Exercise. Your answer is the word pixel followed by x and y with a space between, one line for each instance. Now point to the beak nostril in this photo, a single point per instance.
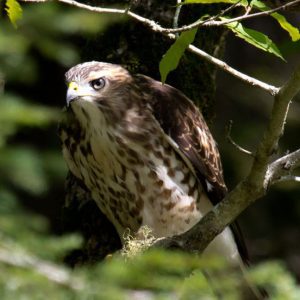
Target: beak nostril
pixel 72 92
pixel 73 86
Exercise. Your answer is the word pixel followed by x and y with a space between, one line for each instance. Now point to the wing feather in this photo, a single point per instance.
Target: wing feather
pixel 182 121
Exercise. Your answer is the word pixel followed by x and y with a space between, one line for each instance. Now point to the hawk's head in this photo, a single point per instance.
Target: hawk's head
pixel 97 84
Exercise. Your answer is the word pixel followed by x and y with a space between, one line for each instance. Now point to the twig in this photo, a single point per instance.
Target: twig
pixel 248 10
pixel 198 23
pixel 176 16
pixel 288 178
pixel 130 4
pixel 254 15
pixel 231 141
pixel 177 13
pixel 155 27
pixel 223 12
pixel 225 67
pixel 212 22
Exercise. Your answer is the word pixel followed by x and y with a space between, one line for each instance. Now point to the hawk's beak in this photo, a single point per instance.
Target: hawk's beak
pixel 73 92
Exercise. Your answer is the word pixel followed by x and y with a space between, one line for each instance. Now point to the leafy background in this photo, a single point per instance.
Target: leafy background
pixel 33 59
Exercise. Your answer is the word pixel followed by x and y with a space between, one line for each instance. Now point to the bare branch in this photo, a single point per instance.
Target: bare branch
pixel 212 22
pixel 177 13
pixel 225 67
pixel 231 141
pixel 254 15
pixel 201 22
pixel 288 178
pixel 222 13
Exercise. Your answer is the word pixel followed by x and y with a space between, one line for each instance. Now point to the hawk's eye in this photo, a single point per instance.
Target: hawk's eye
pixel 97 84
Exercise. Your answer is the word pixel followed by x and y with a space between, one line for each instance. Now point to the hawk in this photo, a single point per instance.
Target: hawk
pixel 144 152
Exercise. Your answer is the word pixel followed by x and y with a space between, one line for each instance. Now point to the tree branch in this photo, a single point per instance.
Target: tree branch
pixel 176 15
pixel 155 27
pixel 225 67
pixel 288 178
pixel 231 141
pixel 210 23
pixel 253 187
pixel 282 167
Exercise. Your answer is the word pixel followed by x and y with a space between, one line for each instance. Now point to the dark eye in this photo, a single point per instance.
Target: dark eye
pixel 97 84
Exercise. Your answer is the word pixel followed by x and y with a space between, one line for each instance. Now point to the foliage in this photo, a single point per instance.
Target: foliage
pixel 172 57
pixel 256 38
pixel 293 31
pixel 14 11
pixel 36 269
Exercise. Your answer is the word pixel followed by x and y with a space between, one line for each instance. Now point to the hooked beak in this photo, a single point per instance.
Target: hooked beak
pixel 73 92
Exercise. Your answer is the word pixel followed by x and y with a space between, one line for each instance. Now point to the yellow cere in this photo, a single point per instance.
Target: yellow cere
pixel 73 85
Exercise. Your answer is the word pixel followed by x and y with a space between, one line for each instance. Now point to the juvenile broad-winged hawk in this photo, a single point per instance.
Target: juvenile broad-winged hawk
pixel 144 152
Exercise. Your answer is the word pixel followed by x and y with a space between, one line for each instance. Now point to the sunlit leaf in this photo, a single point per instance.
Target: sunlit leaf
pixel 255 38
pixel 14 11
pixel 242 2
pixel 172 57
pixel 293 31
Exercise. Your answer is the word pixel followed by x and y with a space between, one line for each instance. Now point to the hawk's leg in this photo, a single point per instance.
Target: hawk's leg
pixel 81 213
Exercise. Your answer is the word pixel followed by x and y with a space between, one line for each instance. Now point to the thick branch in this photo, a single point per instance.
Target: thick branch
pixel 274 131
pixel 249 190
pixel 156 27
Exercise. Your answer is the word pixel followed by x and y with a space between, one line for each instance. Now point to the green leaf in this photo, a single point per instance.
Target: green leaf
pixel 14 11
pixel 255 38
pixel 293 31
pixel 172 57
pixel 243 2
